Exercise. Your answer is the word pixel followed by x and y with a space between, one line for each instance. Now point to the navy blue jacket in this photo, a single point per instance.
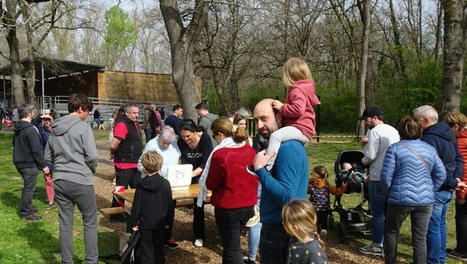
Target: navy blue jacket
pixel 407 179
pixel 441 137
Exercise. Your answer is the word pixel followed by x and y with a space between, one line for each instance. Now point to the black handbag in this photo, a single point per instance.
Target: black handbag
pixel 128 255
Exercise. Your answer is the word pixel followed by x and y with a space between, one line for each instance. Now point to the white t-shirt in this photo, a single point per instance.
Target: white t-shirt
pixel 379 139
pixel 170 155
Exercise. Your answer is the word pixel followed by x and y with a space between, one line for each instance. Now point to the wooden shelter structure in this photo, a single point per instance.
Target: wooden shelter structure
pixel 62 77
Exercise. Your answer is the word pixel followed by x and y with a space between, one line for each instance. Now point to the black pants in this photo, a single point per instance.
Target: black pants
pixel 170 223
pixel 395 216
pixel 230 223
pixel 322 219
pixel 152 246
pixel 29 186
pixel 461 228
pixel 125 178
pixel 198 220
pixel 273 244
pixel 198 216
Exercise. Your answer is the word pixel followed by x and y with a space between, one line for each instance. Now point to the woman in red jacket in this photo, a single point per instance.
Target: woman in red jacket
pixel 458 122
pixel 233 188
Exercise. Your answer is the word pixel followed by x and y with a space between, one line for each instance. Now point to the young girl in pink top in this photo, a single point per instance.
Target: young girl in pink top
pixel 298 116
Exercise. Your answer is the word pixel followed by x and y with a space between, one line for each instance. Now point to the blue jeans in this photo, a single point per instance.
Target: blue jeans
pixel 436 237
pixel 378 209
pixel 148 134
pixel 253 240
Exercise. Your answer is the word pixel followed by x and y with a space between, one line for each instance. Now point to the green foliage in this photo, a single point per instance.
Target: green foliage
pixel 121 33
pixel 338 112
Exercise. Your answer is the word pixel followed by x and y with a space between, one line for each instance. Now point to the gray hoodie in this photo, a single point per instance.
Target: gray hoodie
pixel 72 150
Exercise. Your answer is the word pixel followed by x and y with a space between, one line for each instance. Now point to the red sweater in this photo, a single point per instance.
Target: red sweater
pixel 231 185
pixel 297 110
pixel 462 142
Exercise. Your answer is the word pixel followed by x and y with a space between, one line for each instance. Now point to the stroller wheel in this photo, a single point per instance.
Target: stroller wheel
pixel 342 233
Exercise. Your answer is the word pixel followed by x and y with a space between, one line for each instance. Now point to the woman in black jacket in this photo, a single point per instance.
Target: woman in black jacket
pixel 195 146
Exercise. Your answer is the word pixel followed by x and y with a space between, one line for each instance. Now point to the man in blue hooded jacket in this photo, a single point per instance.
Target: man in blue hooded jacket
pixel 439 135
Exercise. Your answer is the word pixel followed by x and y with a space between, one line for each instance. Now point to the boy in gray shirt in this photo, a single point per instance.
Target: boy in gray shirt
pixel 71 149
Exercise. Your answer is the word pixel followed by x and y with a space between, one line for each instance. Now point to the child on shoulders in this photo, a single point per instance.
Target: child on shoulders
pixel 297 114
pixel 299 221
pixel 152 208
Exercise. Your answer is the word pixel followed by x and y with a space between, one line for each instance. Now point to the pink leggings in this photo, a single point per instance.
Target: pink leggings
pixel 49 187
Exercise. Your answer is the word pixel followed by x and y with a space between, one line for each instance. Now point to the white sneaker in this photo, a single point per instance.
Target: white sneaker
pixel 372 250
pixel 323 234
pixel 198 242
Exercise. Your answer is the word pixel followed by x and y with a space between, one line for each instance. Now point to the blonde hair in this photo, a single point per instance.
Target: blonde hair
pixel 151 161
pixel 456 118
pixel 299 220
pixel 224 126
pixel 295 69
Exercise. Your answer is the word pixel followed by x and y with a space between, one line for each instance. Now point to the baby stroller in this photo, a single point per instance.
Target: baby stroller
pixel 356 219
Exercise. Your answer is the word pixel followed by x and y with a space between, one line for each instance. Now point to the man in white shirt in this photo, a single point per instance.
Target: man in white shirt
pixel 380 137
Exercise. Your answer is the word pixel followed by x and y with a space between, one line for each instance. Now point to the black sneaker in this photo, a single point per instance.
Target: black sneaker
pixel 251 170
pixel 452 253
pixel 31 217
pixel 171 244
pixel 50 206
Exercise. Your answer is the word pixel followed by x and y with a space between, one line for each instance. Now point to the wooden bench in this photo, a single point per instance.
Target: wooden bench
pixel 112 211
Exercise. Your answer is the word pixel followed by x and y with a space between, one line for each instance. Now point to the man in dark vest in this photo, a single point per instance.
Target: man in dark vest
pixel 125 149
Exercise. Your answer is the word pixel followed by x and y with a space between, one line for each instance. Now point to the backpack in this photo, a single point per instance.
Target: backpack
pixel 153 121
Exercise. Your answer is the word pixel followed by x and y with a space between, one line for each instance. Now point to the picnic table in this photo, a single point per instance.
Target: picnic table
pixel 182 197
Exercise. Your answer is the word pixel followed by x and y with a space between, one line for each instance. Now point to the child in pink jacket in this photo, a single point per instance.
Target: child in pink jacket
pixel 298 116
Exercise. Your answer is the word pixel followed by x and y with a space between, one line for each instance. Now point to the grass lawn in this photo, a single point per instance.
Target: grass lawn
pixel 35 241
pixel 38 242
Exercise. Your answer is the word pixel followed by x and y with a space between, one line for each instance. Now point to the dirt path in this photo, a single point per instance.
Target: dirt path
pixel 182 231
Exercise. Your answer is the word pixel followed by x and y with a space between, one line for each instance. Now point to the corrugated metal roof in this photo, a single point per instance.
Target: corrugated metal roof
pixel 54 67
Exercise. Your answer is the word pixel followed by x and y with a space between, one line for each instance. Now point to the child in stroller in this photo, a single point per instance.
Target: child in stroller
pixel 350 171
pixel 319 189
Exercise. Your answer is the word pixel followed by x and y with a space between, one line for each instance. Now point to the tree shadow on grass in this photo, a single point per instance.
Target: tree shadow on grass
pixel 11 199
pixel 37 237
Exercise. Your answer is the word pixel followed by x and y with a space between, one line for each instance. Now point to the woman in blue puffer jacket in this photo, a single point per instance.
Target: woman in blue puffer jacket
pixel 411 173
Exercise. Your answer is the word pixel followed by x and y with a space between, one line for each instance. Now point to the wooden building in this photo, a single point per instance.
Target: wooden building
pixel 62 78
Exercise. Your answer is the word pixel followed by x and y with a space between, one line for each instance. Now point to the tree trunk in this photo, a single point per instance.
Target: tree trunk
pixel 366 16
pixel 397 42
pixel 453 55
pixel 9 22
pixel 30 75
pixel 438 31
pixel 182 40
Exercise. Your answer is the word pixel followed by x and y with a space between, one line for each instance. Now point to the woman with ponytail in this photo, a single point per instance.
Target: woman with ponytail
pixel 233 188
